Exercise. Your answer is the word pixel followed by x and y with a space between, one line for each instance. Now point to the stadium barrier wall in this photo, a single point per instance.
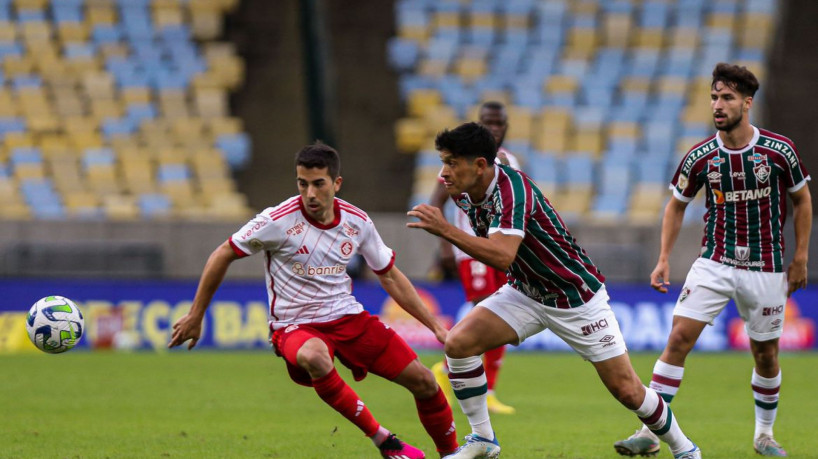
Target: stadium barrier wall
pixel 129 314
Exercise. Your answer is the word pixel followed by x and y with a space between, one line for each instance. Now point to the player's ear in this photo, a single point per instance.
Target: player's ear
pixel 748 101
pixel 338 181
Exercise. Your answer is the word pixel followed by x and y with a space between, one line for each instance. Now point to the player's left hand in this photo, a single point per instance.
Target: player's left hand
pixel 796 277
pixel 188 327
pixel 431 219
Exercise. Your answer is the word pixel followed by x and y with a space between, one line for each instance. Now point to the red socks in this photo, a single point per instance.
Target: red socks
pixel 436 416
pixel 337 394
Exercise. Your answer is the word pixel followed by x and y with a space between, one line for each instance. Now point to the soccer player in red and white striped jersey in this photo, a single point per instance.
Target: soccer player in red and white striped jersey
pixel 746 174
pixel 308 241
pixel 551 284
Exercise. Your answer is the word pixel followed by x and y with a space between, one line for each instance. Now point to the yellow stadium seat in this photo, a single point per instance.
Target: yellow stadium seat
pixel 26 171
pixel 410 134
pixel 672 85
pixel 135 95
pixel 210 103
pixel 100 14
pixel 725 21
pixel 636 84
pixel 470 69
pixel 617 30
pixel 8 105
pixel 77 124
pixel 30 4
pixel 105 108
pixel 8 31
pixel 120 207
pixel 585 7
pixel 36 31
pixel 14 211
pixel 43 122
pixel 170 155
pixel 646 202
pixel 17 65
pixel 685 38
pixel 103 179
pixel 587 140
pixel 415 32
pixel 649 38
pixel 432 68
pixel 217 126
pixel 561 84
pixel 139 176
pixel 573 202
pixel 756 31
pixel 19 140
pixel 72 32
pixel 168 15
pixel 624 129
pixel 69 106
pixel 99 85
pixel 81 202
pixel 520 120
pixel 82 141
pixel 419 101
pixel 482 19
pixel 442 117
pixel 205 24
pixel 582 38
pixel 230 207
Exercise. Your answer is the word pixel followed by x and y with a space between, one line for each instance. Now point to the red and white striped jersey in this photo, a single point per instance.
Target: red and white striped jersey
pixel 305 261
pixel 461 220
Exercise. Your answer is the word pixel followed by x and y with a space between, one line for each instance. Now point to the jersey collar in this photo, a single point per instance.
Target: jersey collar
pixel 750 145
pixel 336 209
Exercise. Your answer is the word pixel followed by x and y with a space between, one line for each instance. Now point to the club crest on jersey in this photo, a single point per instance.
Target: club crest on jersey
pixel 256 244
pixel 762 172
pixel 742 253
pixel 714 177
pixel 346 249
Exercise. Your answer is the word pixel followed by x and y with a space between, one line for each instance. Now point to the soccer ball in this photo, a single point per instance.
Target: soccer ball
pixel 55 324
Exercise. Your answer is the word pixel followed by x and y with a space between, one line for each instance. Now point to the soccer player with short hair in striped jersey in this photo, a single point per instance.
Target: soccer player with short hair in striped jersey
pixel 746 174
pixel 552 284
pixel 308 241
pixel 478 279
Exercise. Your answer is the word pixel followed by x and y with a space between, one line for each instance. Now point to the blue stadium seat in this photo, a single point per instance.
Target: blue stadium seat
pixel 79 50
pixel 106 33
pixel 113 127
pixel 98 157
pixel 31 15
pixel 26 81
pixel 41 197
pixel 578 169
pixel 154 205
pixel 140 112
pixel 236 149
pixel 67 12
pixel 403 54
pixel 25 155
pixel 172 172
pixel 10 48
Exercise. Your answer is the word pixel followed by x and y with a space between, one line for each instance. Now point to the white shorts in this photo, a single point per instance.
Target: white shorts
pixel 760 297
pixel 591 329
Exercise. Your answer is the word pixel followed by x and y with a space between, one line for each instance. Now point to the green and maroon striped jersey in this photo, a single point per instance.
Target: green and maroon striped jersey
pixel 550 267
pixel 746 197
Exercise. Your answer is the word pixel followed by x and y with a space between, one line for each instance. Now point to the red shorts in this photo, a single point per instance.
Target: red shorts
pixel 360 341
pixel 479 280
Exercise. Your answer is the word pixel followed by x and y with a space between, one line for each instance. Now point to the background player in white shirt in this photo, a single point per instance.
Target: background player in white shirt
pixel 479 279
pixel 308 240
pixel 747 174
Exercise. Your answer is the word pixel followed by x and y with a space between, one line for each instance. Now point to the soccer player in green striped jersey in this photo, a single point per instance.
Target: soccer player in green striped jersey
pixel 746 174
pixel 552 284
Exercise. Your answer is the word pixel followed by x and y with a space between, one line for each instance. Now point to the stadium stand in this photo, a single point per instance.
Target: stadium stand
pixel 605 93
pixel 117 109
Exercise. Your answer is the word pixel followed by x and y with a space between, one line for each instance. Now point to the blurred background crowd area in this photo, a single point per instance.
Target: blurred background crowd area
pixel 135 135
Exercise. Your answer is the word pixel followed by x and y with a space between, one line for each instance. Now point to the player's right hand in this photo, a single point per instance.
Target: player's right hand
pixel 188 327
pixel 660 275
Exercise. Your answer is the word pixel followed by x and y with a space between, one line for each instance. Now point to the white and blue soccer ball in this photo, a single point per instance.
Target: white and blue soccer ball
pixel 55 324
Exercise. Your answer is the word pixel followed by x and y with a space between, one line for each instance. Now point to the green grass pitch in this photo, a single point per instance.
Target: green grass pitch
pixel 243 405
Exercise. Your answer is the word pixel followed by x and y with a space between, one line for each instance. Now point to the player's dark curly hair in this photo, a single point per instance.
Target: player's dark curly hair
pixel 739 78
pixel 319 156
pixel 469 140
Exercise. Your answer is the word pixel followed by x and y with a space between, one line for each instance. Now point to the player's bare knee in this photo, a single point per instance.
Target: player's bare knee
pixel 424 385
pixel 679 345
pixel 766 358
pixel 459 346
pixel 314 357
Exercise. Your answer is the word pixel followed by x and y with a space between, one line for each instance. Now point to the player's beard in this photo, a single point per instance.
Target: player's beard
pixel 730 126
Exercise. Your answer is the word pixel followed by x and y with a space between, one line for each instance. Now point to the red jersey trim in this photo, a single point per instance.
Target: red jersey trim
pixel 288 209
pixel 335 208
pixel 237 249
pixel 353 210
pixel 388 266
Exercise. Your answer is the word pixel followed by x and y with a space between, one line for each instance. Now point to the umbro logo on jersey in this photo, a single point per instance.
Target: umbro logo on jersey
pixel 303 250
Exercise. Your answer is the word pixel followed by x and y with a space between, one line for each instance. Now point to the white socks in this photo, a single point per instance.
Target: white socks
pixel 469 384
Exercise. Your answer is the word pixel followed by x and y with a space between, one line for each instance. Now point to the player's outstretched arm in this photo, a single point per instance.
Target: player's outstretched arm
pixel 398 286
pixel 189 326
pixel 802 220
pixel 671 225
pixel 497 251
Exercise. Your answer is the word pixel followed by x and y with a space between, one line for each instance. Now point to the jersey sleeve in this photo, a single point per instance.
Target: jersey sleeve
pixel 514 201
pixel 685 183
pixel 797 175
pixel 377 255
pixel 256 235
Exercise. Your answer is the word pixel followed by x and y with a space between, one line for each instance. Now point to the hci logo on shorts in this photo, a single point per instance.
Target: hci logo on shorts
pixel 772 310
pixel 594 327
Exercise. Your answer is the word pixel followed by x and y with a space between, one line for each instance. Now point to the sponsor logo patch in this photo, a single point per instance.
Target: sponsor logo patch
pixel 683 181
pixel 607 340
pixel 594 327
pixel 772 310
pixel 714 177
